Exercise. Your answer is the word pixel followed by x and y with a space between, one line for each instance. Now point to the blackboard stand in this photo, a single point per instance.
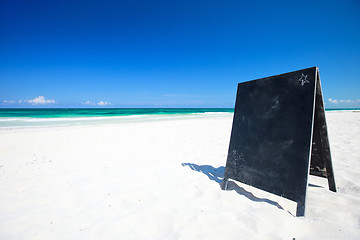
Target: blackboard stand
pixel 279 135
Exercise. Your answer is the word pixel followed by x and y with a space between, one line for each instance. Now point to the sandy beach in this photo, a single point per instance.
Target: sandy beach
pixel 160 179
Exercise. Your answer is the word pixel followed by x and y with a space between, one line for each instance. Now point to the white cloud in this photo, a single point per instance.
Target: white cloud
pixel 101 103
pixel 344 103
pixel 35 101
pixel 8 102
pixel 40 100
pixel 89 103
pixel 335 101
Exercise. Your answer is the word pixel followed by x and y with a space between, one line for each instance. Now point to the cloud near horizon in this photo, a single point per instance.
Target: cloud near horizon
pixel 335 101
pixel 40 100
pixel 35 101
pixel 343 103
pixel 9 101
pixel 101 103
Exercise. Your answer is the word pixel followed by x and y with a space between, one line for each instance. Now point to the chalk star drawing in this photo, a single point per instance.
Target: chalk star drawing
pixel 303 79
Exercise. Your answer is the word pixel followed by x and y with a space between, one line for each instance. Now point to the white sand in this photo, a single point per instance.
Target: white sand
pixel 159 180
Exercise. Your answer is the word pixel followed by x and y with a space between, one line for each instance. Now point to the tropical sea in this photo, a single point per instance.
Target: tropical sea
pixel 40 117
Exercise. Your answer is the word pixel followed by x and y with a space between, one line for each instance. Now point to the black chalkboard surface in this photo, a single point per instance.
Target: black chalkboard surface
pixel 278 128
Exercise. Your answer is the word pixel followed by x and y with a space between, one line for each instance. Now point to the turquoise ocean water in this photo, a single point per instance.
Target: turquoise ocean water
pixel 38 117
pixel 32 117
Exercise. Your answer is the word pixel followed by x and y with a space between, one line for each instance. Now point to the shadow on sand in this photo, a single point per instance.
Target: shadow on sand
pixel 217 175
pixel 316 186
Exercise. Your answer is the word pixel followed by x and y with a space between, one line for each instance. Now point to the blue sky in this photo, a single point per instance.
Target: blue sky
pixel 171 53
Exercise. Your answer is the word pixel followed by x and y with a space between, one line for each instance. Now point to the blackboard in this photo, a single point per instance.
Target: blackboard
pixel 279 127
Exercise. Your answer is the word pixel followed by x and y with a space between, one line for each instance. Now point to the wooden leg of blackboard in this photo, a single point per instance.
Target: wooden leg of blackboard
pixel 330 173
pixel 331 181
pixel 224 184
pixel 320 122
pixel 300 209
